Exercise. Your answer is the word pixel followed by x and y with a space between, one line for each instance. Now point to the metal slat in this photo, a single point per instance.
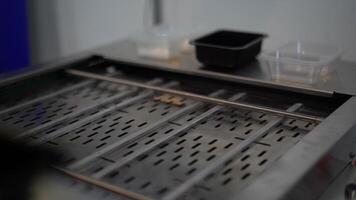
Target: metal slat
pixel 97 115
pixel 132 136
pixel 91 118
pixel 79 112
pixel 199 176
pixel 199 97
pixel 74 114
pixel 144 149
pixel 44 97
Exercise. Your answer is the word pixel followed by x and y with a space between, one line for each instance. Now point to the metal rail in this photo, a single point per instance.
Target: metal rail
pixel 258 82
pixel 197 96
pixel 137 134
pixel 165 138
pixel 112 188
pixel 199 176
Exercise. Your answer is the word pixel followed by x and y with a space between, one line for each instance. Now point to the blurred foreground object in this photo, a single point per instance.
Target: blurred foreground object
pixel 20 165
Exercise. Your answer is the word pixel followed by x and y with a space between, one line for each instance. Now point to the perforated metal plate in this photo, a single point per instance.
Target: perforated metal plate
pixel 177 159
pixel 164 167
pixel 110 128
pixel 59 106
pixel 124 137
pixel 31 92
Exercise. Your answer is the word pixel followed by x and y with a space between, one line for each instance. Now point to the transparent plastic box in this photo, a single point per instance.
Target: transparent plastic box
pixel 301 62
pixel 159 43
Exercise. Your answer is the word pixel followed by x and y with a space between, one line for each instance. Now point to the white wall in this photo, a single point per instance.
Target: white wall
pixel 62 27
pixel 323 21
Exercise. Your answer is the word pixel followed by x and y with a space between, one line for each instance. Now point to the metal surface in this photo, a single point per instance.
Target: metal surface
pixel 197 96
pixel 226 157
pixel 89 119
pixel 206 142
pixel 76 113
pixel 55 109
pixel 99 174
pixel 121 139
pixel 137 134
pixel 341 81
pixel 54 94
pixel 103 185
pixel 284 176
pixel 336 190
pixel 144 149
pixel 54 132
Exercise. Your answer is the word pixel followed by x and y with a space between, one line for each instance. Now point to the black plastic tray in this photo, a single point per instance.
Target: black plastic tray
pixel 228 48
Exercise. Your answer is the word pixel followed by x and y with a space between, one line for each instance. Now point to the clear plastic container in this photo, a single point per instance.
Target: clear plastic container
pixel 159 43
pixel 301 62
pixel 159 39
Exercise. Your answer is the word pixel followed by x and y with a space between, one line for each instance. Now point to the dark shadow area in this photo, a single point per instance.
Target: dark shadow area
pixel 20 165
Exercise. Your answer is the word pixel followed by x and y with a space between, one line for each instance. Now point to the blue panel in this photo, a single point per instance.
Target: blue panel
pixel 14 45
